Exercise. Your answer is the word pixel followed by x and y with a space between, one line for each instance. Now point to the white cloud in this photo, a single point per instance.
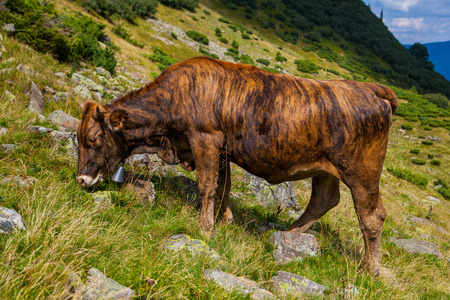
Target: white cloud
pixel 408 23
pixel 401 5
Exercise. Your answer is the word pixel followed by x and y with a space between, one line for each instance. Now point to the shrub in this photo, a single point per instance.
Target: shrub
pixel 233 50
pixel 246 59
pixel 271 70
pixel 245 36
pixel 173 35
pixel 122 32
pixel 235 44
pixel 279 57
pixel 428 143
pixel 159 56
pixel 263 61
pixel 427 128
pixel 218 32
pixel 306 66
pixel 180 4
pixel 435 162
pixel 421 136
pixel 443 190
pixel 223 20
pixel 333 71
pixel 207 12
pixel 198 37
pixel 418 161
pixel 430 155
pixel 223 40
pixel 414 151
pixel 407 127
pixel 419 180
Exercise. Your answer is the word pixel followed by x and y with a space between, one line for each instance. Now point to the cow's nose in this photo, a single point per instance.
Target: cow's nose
pixel 81 181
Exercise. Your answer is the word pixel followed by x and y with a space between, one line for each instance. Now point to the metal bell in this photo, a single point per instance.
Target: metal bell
pixel 119 176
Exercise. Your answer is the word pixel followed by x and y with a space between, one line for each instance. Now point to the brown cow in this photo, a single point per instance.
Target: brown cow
pixel 205 113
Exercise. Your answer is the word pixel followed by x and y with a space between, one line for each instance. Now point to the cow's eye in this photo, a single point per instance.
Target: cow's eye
pixel 93 140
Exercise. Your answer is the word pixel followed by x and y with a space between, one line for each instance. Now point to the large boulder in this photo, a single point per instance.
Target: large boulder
pixel 291 246
pixel 86 82
pixel 417 246
pixel 63 120
pixel 289 284
pixel 10 220
pixel 240 284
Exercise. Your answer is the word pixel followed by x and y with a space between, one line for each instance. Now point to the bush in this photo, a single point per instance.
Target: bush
pixel 419 180
pixel 435 162
pixel 173 35
pixel 407 127
pixel 418 161
pixel 159 56
pixel 180 4
pixel 245 36
pixel 218 32
pixel 235 44
pixel 414 151
pixel 198 37
pixel 443 190
pixel 428 128
pixel 428 143
pixel 223 40
pixel 233 50
pixel 122 32
pixel 306 66
pixel 223 20
pixel 430 155
pixel 246 59
pixel 263 61
pixel 279 57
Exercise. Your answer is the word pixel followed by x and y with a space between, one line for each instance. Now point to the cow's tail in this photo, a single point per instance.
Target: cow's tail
pixel 387 94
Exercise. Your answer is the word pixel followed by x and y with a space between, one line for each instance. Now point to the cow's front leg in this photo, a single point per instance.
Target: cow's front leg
pixel 223 189
pixel 205 149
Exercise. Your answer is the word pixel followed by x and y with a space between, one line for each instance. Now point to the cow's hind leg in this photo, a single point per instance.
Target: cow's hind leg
pixel 223 190
pixel 371 214
pixel 324 196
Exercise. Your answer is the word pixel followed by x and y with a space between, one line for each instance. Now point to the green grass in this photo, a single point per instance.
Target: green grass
pixel 68 232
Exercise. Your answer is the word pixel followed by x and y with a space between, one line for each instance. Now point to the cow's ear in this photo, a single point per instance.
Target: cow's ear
pixel 117 119
pixel 99 112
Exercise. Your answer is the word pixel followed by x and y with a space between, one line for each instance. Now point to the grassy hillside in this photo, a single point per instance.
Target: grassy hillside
pixel 67 231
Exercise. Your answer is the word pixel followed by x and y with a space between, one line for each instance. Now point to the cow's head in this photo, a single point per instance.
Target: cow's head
pixel 100 142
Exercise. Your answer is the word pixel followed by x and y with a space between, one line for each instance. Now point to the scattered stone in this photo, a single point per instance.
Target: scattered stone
pixel 143 190
pixel 433 199
pixel 426 222
pixel 291 246
pixel 102 197
pixel 434 139
pixel 268 226
pixel 294 285
pixel 152 162
pixel 49 90
pixel 241 284
pixel 183 241
pixel 103 72
pixel 105 39
pixel 83 92
pixel 282 195
pixel 3 8
pixel 8 147
pixel 9 27
pixel 1 55
pixel 136 76
pixel 61 75
pixel 3 130
pixel 126 80
pixel 63 120
pixel 98 286
pixel 10 61
pixel 350 292
pixel 86 82
pixel 36 102
pixel 98 96
pixel 20 181
pixel 29 71
pixel 9 95
pixel 10 220
pixel 417 246
pixel 295 213
pixel 61 96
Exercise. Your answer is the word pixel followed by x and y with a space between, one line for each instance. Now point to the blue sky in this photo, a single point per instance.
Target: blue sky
pixel 411 21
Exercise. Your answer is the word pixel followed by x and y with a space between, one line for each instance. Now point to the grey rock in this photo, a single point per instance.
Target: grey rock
pixel 434 139
pixel 282 195
pixel 183 241
pixel 63 120
pixel 433 199
pixel 102 197
pixel 60 75
pixel 9 95
pixel 103 72
pixel 10 220
pixel 152 162
pixel 417 246
pixel 136 76
pixel 7 70
pixel 3 8
pixel 66 139
pixel 29 71
pixel 83 92
pixel 36 102
pixel 240 284
pixel 9 27
pixel 98 96
pixel 143 190
pixel 61 96
pixel 294 285
pixel 49 90
pixel 3 130
pixel 268 226
pixel 426 222
pixel 349 292
pixel 105 39
pixel 291 246
pixel 20 181
pixel 1 55
pixel 126 80
pixel 98 286
pixel 86 82
pixel 7 147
